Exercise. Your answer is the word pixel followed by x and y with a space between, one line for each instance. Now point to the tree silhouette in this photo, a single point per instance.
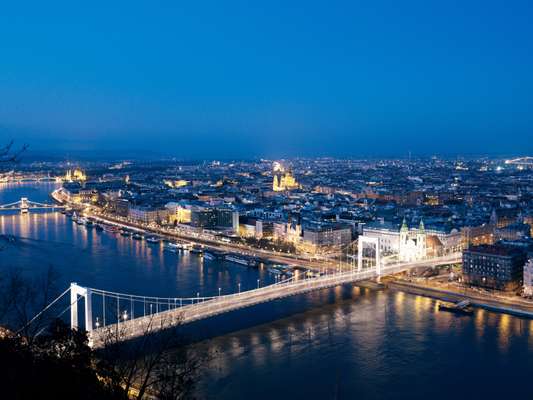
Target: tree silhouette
pixel 9 155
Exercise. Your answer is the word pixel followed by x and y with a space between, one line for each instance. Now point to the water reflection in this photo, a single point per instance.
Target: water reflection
pixel 346 342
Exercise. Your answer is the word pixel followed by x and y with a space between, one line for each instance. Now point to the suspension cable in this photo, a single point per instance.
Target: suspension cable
pixel 43 310
pixel 132 297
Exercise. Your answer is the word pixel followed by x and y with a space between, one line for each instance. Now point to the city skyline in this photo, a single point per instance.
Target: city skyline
pixel 241 81
pixel 266 200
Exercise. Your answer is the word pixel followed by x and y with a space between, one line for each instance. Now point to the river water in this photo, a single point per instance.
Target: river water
pixel 342 343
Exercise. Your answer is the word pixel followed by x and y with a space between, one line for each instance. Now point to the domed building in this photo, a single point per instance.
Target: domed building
pixel 413 246
pixel 283 179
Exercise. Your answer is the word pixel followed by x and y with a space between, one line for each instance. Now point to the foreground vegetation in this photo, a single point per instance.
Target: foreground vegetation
pixel 45 358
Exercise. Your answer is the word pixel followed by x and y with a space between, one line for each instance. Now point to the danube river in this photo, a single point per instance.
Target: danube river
pixel 344 343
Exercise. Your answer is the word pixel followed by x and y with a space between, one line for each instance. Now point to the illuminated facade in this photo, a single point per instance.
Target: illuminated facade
pixel 413 245
pixel 407 244
pixel 179 213
pixel 290 231
pixel 176 183
pixel 283 179
pixel 528 276
pixel 76 175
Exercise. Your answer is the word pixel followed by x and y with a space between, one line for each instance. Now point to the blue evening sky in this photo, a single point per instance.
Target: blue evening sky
pixel 222 79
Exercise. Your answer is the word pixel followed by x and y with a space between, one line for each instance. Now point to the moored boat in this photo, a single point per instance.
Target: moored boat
pixel 461 308
pixel 111 228
pixel 236 259
pixel 153 239
pixel 137 236
pixel 125 232
pixel 196 250
pixel 81 221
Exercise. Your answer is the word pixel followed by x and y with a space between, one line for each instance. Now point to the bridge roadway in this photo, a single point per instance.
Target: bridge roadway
pixel 26 204
pixel 137 327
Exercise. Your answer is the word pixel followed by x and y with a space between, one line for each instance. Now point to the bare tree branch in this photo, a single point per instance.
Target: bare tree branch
pixel 10 156
pixel 156 365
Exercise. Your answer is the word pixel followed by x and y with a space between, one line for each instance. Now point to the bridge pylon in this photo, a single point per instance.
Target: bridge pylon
pixel 24 207
pixel 374 241
pixel 75 291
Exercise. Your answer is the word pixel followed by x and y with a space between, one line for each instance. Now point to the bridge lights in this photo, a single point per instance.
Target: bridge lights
pixel 219 289
pixel 258 283
pixel 97 324
pixel 239 284
pixel 125 315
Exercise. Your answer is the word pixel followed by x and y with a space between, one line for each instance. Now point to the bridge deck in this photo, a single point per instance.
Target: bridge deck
pixel 140 326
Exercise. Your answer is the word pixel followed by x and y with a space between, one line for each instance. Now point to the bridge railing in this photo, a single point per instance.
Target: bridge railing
pixel 153 322
pixel 174 310
pixel 25 203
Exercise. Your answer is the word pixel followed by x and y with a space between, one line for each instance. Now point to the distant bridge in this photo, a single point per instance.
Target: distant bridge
pixel 128 316
pixel 30 178
pixel 521 162
pixel 24 205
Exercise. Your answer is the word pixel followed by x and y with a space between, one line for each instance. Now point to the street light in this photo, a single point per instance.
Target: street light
pixel 239 284
pixel 219 292
pixel 258 283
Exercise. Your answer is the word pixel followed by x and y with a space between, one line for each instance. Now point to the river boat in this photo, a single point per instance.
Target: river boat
pixel 274 271
pixel 174 246
pixel 153 239
pixel 461 308
pixel 137 236
pixel 81 221
pixel 239 260
pixel 196 250
pixel 111 228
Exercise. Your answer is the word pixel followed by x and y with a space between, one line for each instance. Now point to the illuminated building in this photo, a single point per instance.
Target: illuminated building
pixel 323 237
pixel 412 243
pixel 179 213
pixel 528 276
pixel 290 231
pixel 294 229
pixel 494 266
pixel 477 235
pixel 76 175
pixel 176 184
pixel 511 232
pixel 407 244
pixel 528 219
pixel 204 218
pixel 502 217
pixel 283 179
pixel 147 214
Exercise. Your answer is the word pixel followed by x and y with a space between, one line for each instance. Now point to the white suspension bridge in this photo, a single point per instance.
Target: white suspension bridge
pixel 24 205
pixel 128 316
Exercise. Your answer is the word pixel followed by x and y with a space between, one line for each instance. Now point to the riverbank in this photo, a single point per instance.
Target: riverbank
pixel 172 233
pixel 517 308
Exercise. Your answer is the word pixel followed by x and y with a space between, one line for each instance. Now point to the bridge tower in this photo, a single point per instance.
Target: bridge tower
pixel 361 247
pixel 76 291
pixel 24 206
